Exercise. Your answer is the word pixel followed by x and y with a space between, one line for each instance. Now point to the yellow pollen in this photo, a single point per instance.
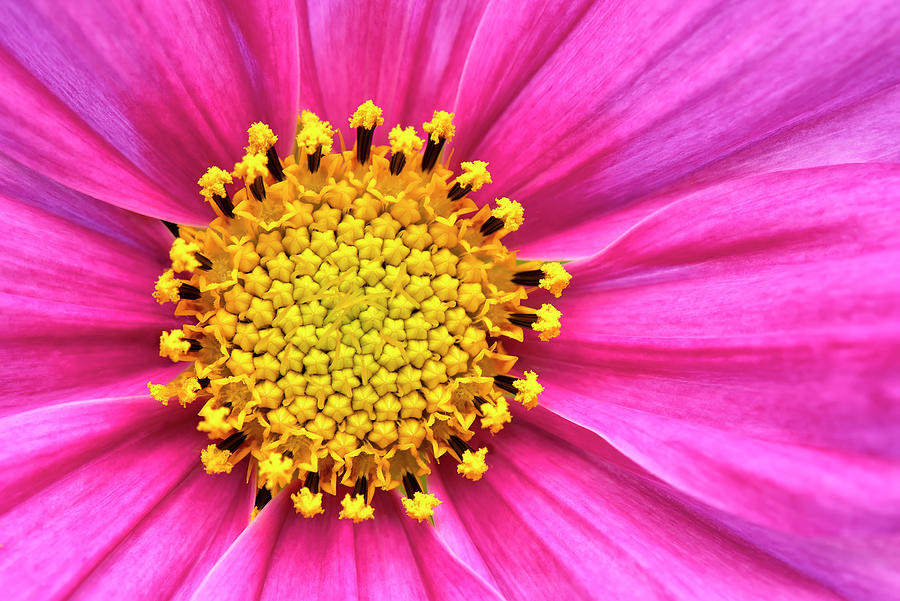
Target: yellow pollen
pixel 556 278
pixel 406 141
pixel 167 288
pixel 511 212
pixel 306 503
pixel 182 255
pixel 314 134
pixel 356 509
pixel 421 506
pixel 529 389
pixel 475 175
pixel 251 167
pixel 260 138
pixel 173 345
pixel 367 116
pixel 215 460
pixel 548 322
pixel 212 183
pixel 440 126
pixel 473 465
pixel 347 323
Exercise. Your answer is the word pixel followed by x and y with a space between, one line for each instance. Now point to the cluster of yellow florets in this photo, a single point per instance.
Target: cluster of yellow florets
pixel 347 316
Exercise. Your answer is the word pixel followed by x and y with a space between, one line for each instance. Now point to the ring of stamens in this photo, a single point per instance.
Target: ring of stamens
pixel 348 312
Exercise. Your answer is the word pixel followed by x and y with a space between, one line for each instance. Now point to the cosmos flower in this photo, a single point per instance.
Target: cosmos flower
pixel 720 413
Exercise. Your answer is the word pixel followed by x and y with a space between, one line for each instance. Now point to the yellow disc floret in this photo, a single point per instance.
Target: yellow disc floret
pixel 347 317
pixel 367 116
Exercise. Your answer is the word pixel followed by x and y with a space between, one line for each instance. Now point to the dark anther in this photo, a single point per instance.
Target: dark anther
pixel 232 443
pixel 457 191
pixel 225 205
pixel 480 400
pixel 491 225
pixel 204 382
pixel 458 445
pixel 188 292
pixel 523 320
pixel 195 345
pixel 361 487
pixel 171 227
pixel 411 484
pixel 205 263
pixel 258 187
pixel 363 143
pixel 312 482
pixel 505 383
pixel 398 162
pixel 432 152
pixel 263 496
pixel 528 278
pixel 313 160
pixel 274 164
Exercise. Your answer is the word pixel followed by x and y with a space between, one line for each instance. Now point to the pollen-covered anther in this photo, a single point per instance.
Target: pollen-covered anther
pixel 167 286
pixel 547 322
pixel 182 255
pixel 439 130
pixel 173 345
pixel 261 140
pixel 216 460
pixel 307 503
pixel 252 169
pixel 405 143
pixel 421 505
pixel 495 416
pixel 555 279
pixel 528 389
pixel 315 138
pixel 355 508
pixel 276 471
pixel 365 119
pixel 473 465
pixel 474 176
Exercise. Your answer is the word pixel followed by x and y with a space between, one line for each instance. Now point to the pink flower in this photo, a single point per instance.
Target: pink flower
pixel 720 417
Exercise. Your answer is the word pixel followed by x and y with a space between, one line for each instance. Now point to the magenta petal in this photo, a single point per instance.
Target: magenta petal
pixel 740 344
pixel 108 499
pixel 635 99
pixel 283 555
pixel 76 288
pixel 131 103
pixel 551 520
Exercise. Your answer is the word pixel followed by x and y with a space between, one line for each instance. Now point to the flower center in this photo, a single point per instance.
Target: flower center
pixel 348 312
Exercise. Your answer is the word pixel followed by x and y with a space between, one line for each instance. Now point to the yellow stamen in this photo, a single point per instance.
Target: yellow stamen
pixel 315 134
pixel 167 288
pixel 473 465
pixel 557 278
pixel 212 183
pixel 215 460
pixel 182 255
pixel 548 322
pixel 306 503
pixel 475 175
pixel 251 167
pixel 356 509
pixel 495 415
pixel 511 212
pixel 276 470
pixel 421 506
pixel 188 392
pixel 367 116
pixel 160 392
pixel 529 389
pixel 173 345
pixel 261 138
pixel 440 126
pixel 405 140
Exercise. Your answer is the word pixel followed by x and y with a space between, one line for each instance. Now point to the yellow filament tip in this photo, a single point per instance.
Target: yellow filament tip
pixel 421 506
pixel 167 288
pixel 160 392
pixel 261 138
pixel 475 175
pixel 306 503
pixel 173 345
pixel 529 389
pixel 511 212
pixel 556 280
pixel 548 322
pixel 215 460
pixel 440 126
pixel 212 183
pixel 276 471
pixel 356 509
pixel 473 465
pixel 251 167
pixel 404 140
pixel 495 415
pixel 182 255
pixel 367 116
pixel 314 134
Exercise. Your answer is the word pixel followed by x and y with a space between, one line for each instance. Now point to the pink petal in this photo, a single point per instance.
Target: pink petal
pixel 634 100
pixel 108 499
pixel 131 103
pixel 551 520
pixel 284 555
pixel 740 344
pixel 76 278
